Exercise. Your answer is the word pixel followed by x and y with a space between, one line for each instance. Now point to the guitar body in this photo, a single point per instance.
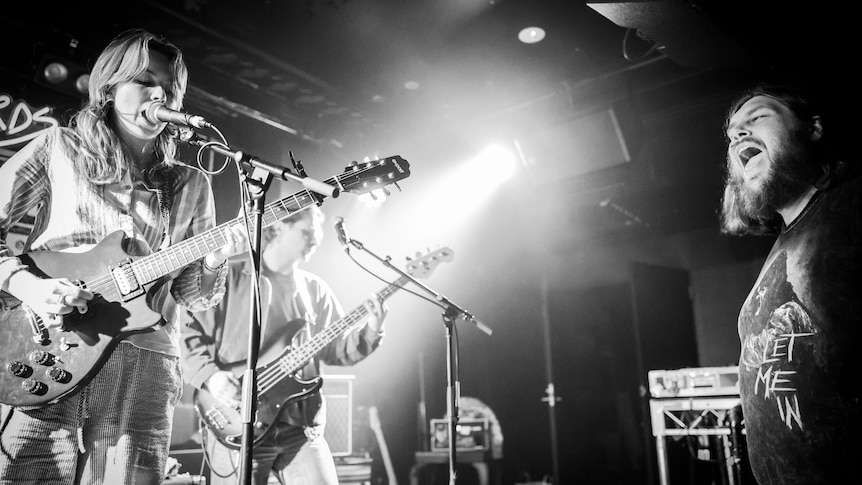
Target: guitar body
pixel 226 422
pixel 52 364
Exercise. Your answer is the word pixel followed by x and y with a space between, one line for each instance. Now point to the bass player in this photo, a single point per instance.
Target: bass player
pixel 296 305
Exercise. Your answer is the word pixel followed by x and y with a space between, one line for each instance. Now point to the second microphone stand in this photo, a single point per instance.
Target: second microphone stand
pixel 257 185
pixel 451 313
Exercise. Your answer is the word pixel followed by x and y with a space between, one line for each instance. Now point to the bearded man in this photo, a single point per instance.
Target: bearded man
pixel 800 325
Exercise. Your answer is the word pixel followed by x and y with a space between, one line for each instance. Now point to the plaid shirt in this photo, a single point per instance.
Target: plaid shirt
pixel 73 214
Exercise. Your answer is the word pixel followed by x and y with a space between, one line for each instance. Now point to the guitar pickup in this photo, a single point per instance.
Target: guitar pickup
pixel 125 280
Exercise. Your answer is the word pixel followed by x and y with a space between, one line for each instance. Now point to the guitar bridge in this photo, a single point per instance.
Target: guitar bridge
pixel 125 280
pixel 39 334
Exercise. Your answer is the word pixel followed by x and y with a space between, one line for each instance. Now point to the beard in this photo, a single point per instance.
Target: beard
pixel 793 170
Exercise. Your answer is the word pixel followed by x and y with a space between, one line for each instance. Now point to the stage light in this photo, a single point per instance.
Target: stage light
pixel 495 164
pixel 82 83
pixel 531 35
pixel 55 72
pixel 478 178
pixel 64 75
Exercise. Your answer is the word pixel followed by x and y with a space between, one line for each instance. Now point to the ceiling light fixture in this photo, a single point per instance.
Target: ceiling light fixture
pixel 531 35
pixel 63 74
pixel 55 72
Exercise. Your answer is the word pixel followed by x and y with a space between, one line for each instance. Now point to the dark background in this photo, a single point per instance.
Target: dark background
pixel 600 254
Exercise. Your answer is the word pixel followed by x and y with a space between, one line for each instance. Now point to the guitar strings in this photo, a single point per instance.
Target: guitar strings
pixel 103 284
pixel 291 363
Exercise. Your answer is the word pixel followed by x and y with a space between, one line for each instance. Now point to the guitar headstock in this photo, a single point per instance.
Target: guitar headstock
pixel 363 177
pixel 423 265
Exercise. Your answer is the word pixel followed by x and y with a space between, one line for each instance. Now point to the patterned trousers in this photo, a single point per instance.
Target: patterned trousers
pixel 115 430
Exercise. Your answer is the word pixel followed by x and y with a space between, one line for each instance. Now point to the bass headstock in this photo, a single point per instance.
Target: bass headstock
pixel 422 265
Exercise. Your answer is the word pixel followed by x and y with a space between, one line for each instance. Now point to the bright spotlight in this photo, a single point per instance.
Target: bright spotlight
pixel 493 166
pixel 481 175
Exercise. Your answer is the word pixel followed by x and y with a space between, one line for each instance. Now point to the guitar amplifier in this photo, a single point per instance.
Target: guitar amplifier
pixel 338 392
pixel 472 435
pixel 694 382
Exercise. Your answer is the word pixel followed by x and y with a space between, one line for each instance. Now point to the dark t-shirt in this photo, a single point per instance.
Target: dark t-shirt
pixel 799 366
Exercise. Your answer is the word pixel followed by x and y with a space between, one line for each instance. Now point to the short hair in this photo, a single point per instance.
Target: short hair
pixel 268 233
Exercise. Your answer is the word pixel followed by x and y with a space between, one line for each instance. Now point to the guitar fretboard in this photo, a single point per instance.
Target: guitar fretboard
pixel 293 362
pixel 156 265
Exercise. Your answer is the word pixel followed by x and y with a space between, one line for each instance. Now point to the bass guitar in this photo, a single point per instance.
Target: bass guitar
pixel 42 366
pixel 278 382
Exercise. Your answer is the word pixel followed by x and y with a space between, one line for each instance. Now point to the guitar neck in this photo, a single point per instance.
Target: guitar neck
pixel 294 361
pixel 156 265
pixel 359 178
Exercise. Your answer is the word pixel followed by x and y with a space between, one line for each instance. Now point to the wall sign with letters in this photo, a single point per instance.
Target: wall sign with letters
pixel 20 122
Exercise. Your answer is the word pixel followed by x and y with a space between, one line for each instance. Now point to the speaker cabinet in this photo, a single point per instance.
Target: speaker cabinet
pixel 589 143
pixel 338 392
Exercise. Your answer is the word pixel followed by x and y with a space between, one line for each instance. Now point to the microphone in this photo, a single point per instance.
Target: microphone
pixel 341 232
pixel 159 113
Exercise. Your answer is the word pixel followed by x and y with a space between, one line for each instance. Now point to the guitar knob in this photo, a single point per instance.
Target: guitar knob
pixel 59 375
pixel 42 358
pixel 34 387
pixel 19 369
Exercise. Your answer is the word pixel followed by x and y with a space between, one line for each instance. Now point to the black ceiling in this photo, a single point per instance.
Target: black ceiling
pixel 327 79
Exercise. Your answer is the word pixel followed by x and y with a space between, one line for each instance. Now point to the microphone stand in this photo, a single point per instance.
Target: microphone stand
pixel 250 162
pixel 451 312
pixel 260 181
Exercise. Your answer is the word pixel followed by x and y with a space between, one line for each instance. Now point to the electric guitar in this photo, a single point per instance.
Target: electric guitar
pixel 42 366
pixel 278 382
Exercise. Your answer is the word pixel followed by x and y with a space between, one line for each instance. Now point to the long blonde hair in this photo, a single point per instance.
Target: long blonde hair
pixel 101 150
